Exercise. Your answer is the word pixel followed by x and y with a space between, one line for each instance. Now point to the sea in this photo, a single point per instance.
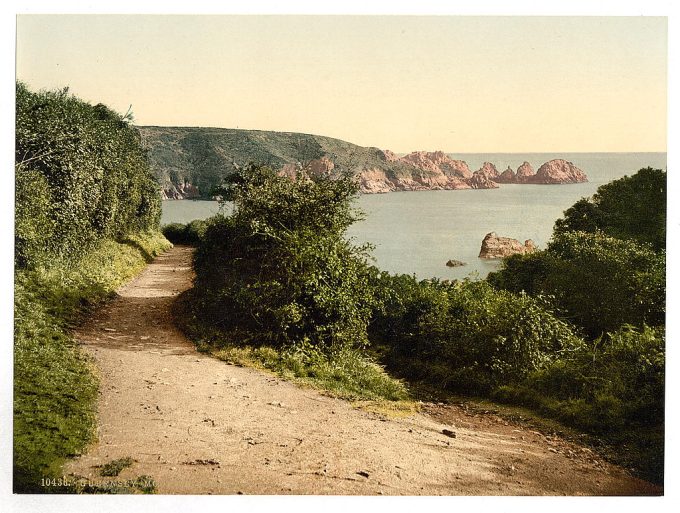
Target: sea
pixel 417 232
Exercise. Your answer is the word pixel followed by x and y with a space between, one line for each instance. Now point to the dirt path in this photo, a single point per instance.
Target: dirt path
pixel 197 425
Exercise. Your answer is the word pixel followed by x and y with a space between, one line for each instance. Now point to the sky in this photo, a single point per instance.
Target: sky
pixel 405 83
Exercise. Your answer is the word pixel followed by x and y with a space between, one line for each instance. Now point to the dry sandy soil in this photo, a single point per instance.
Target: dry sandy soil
pixel 197 425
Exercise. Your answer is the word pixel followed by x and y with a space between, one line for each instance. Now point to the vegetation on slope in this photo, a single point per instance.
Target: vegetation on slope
pixel 604 270
pixel 575 332
pixel 86 213
pixel 278 277
pixel 202 156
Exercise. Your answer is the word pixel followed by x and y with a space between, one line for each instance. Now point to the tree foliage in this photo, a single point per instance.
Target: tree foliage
pixel 600 283
pixel 81 176
pixel 279 270
pixel 633 207
pixel 467 337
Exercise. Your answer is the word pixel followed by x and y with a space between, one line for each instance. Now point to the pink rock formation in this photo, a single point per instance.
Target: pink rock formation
pixel 525 173
pixel 559 171
pixel 437 161
pixel 488 170
pixel 507 176
pixel 479 181
pixel 421 171
pixel 494 246
pixel 180 191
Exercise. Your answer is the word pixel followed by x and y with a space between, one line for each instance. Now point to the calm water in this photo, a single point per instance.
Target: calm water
pixel 417 232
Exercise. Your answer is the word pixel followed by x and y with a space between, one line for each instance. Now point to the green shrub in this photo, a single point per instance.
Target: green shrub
pixel 466 337
pixel 612 387
pixel 599 282
pixel 189 234
pixel 278 271
pixel 86 172
pixel 633 207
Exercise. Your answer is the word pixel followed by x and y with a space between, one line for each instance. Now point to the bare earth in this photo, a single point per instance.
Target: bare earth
pixel 197 425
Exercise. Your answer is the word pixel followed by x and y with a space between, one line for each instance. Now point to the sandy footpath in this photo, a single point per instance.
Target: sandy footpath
pixel 197 425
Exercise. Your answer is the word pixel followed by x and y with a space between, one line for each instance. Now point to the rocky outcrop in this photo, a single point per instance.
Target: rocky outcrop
pixel 559 171
pixel 524 173
pixel 488 170
pixel 507 176
pixel 479 181
pixel 180 191
pixel 494 246
pixel 455 263
pixel 421 171
pixel 375 181
pixel 437 162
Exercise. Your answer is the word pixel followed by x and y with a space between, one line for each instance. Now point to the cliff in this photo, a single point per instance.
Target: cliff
pixel 189 161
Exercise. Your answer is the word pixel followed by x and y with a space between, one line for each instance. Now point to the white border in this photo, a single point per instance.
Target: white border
pixel 327 504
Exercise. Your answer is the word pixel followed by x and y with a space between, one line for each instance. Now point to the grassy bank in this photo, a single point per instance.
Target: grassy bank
pixel 349 374
pixel 54 386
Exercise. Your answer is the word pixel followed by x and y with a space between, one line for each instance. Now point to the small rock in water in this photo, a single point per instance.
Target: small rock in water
pixel 455 263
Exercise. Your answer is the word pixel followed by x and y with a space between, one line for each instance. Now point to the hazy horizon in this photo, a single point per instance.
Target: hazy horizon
pixel 452 83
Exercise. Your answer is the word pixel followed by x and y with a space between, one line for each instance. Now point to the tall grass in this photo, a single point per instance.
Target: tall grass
pixel 54 386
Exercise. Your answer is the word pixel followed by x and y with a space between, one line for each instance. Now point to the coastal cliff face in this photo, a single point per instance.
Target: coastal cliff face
pixel 189 162
pixel 494 246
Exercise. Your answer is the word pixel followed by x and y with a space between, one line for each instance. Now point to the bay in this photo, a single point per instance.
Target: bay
pixel 417 232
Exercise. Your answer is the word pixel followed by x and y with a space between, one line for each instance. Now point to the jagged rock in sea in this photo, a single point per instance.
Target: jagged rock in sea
pixel 507 176
pixel 455 263
pixel 494 246
pixel 488 170
pixel 559 171
pixel 525 173
pixel 479 181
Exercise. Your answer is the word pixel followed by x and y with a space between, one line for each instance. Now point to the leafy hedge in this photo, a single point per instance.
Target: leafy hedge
pixel 278 270
pixel 600 283
pixel 465 337
pixel 86 219
pixel 81 176
pixel 189 234
pixel 632 207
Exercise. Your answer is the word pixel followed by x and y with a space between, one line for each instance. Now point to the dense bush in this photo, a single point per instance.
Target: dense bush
pixel 81 176
pixel 189 234
pixel 620 377
pixel 466 337
pixel 278 270
pixel 612 387
pixel 86 219
pixel 633 207
pixel 599 282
